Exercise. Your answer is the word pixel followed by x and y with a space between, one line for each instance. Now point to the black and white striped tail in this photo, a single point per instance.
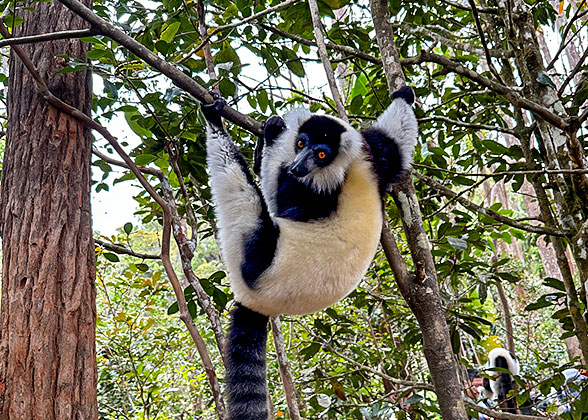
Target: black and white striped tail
pixel 246 370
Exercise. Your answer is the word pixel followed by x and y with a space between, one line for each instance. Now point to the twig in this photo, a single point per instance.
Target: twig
pixel 503 415
pixel 122 164
pixel 343 48
pixel 565 34
pixel 486 212
pixel 491 10
pixel 469 125
pixel 322 50
pixel 126 251
pixel 78 33
pixel 165 242
pixel 285 369
pixel 574 71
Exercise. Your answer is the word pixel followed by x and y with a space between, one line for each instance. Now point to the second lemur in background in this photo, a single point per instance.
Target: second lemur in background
pixel 306 238
pixel 498 388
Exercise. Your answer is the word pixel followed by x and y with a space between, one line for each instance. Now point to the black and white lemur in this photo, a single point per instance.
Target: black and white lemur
pixel 305 240
pixel 499 387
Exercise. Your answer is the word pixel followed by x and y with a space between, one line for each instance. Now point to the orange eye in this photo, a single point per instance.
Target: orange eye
pixel 322 155
pixel 300 144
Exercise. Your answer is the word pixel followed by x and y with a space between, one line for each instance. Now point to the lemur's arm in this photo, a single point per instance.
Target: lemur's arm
pixel 247 234
pixel 392 138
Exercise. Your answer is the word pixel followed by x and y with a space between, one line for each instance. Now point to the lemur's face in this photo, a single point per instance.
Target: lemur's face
pixel 317 145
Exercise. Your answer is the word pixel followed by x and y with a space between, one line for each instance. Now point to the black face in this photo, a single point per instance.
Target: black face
pixel 317 144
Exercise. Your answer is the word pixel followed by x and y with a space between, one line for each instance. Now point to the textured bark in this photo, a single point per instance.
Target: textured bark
pixel 48 314
pixel 421 291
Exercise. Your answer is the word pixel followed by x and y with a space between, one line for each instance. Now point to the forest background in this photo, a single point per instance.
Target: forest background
pixel 485 243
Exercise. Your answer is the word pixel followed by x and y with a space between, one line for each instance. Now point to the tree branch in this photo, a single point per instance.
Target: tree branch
pixel 122 164
pixel 486 212
pixel 343 48
pixel 177 76
pixel 79 33
pixel 285 369
pixel 322 50
pixel 469 125
pixel 117 249
pixel 506 92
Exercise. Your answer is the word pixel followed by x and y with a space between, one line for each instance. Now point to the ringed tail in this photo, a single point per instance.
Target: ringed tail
pixel 246 370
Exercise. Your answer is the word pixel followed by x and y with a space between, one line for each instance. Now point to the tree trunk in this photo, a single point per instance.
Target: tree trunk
pixel 48 313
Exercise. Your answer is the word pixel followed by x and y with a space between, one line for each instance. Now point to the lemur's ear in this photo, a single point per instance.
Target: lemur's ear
pixel 405 93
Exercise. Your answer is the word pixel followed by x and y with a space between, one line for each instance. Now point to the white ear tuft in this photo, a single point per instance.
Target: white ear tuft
pixel 296 117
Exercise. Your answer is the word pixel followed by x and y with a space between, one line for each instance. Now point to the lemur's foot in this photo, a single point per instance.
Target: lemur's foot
pixel 212 112
pixel 273 128
pixel 405 93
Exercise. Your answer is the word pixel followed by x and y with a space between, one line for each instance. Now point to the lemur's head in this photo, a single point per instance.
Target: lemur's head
pixel 324 147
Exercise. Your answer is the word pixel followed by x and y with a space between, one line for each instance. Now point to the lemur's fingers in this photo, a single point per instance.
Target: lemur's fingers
pixel 273 128
pixel 212 112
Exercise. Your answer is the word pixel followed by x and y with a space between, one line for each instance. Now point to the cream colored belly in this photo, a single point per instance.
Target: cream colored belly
pixel 318 263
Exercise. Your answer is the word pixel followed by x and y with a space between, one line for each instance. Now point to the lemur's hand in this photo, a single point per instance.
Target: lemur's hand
pixel 272 129
pixel 212 112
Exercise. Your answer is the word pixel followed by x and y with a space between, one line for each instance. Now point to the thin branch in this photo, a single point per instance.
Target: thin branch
pixel 505 173
pixel 176 75
pixel 462 46
pixel 483 41
pixel 79 33
pixel 486 212
pixel 491 10
pixel 574 71
pixel 122 164
pixel 504 415
pixel 322 50
pixel 206 37
pixel 506 92
pixel 165 242
pixel 343 48
pixel 564 35
pixel 469 125
pixel 117 249
pixel 285 369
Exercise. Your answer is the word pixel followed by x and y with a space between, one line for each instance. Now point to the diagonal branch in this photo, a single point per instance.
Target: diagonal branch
pixel 506 92
pixel 486 212
pixel 177 76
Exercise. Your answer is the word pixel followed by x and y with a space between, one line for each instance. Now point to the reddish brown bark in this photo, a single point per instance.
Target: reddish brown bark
pixel 47 313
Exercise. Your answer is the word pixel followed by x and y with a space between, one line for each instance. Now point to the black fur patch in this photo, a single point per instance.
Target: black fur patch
pixel 386 158
pixel 298 201
pixel 260 248
pixel 246 367
pixel 504 383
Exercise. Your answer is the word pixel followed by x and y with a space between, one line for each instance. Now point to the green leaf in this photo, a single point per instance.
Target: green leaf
pixel 128 228
pixel 173 308
pixel 555 283
pixel 545 80
pixel 142 267
pixel 111 257
pixel 144 159
pixel 170 31
pixel 457 243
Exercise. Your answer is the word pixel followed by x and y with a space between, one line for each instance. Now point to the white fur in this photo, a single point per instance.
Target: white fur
pixel 238 202
pixel 399 123
pixel 318 263
pixel 513 367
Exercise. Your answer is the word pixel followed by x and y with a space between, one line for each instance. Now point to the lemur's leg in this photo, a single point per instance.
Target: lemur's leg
pixel 392 138
pixel 248 236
